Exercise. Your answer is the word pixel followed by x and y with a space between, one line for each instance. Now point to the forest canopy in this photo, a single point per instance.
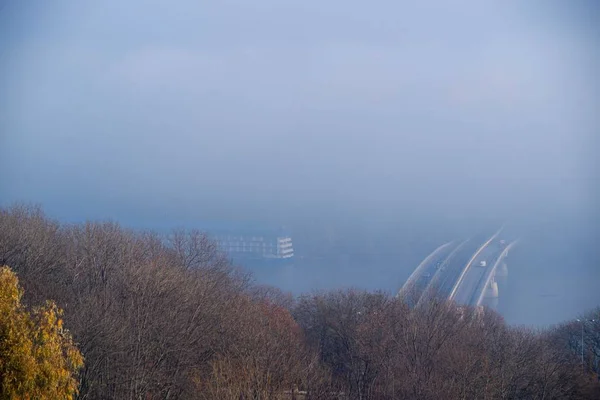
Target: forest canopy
pixel 163 317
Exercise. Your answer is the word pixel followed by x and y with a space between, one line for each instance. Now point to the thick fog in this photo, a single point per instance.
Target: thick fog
pixel 404 123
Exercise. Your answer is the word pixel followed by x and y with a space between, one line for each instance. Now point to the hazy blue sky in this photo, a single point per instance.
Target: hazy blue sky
pixel 148 110
pixel 236 104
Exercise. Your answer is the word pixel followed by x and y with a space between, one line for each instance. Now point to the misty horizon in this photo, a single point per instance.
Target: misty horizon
pixel 392 123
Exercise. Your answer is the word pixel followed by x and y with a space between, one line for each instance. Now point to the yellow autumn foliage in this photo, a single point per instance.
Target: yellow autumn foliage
pixel 38 359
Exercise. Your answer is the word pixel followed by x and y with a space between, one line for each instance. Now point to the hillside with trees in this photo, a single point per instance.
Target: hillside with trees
pixel 158 317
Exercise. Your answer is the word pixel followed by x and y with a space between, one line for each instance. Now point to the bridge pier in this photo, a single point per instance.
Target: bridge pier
pixel 491 295
pixel 491 291
pixel 501 274
pixel 502 270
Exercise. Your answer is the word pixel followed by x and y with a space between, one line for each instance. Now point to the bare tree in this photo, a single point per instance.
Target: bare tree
pixel 173 319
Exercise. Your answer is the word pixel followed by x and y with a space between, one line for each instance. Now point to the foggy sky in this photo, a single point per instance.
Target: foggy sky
pixel 169 110
pixel 188 104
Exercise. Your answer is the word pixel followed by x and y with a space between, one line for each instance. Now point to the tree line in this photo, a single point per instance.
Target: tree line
pixel 171 318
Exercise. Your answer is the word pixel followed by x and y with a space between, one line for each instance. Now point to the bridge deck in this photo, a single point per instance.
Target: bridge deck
pixel 475 279
pixel 453 271
pixel 421 277
pixel 445 279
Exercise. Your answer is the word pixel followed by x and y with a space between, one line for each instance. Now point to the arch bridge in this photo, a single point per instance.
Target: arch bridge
pixel 466 272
